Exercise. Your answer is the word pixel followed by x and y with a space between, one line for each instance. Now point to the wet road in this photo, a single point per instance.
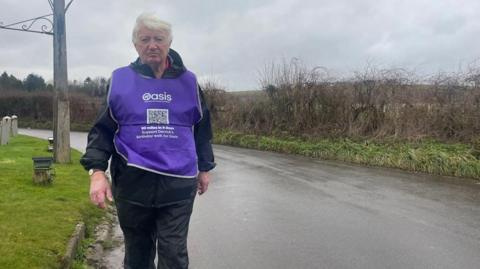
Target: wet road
pixel 267 210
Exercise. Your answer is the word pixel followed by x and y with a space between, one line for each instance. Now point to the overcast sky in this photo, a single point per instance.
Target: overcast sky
pixel 230 41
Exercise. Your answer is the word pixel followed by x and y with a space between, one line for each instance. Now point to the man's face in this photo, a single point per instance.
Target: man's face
pixel 152 45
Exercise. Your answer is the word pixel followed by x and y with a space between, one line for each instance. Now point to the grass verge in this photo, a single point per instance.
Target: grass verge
pixel 36 222
pixel 425 156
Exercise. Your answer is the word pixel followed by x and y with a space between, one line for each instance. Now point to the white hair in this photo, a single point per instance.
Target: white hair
pixel 152 22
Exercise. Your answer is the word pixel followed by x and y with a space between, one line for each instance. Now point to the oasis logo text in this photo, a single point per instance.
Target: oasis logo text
pixel 157 97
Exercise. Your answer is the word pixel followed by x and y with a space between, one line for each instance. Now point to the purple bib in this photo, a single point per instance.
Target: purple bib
pixel 155 120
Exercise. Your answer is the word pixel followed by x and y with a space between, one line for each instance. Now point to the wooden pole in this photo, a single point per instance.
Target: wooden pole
pixel 61 110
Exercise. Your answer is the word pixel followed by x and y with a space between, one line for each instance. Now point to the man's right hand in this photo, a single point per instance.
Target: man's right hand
pixel 100 189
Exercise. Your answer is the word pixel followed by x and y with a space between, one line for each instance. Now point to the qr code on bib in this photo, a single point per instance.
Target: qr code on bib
pixel 157 116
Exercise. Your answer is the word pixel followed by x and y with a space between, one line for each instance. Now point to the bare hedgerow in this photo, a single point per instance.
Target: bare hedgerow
pixel 309 102
pixel 379 101
pixel 297 97
pixel 456 105
pixel 37 106
pixel 375 102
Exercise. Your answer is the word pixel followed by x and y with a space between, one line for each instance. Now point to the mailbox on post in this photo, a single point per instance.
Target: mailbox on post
pixel 43 172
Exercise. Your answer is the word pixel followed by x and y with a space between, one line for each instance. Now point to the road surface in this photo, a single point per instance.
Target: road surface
pixel 268 210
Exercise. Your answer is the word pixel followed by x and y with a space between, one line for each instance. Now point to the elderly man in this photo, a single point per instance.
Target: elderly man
pixel 156 128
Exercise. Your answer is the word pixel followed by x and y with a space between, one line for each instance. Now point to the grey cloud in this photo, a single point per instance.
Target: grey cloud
pixel 229 41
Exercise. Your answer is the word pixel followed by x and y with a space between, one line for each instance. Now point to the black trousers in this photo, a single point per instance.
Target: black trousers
pixel 149 229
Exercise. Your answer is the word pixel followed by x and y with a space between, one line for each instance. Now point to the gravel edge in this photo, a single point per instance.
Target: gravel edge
pixel 103 233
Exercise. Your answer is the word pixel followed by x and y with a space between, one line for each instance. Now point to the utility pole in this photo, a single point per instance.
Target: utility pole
pixel 61 105
pixel 61 109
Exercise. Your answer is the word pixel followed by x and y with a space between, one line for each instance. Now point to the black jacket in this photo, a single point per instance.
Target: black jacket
pixel 136 185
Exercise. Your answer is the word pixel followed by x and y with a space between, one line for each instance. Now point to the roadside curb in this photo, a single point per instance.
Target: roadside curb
pixel 77 236
pixel 95 252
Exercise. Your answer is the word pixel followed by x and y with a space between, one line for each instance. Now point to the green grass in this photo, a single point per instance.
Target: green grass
pixel 36 222
pixel 425 156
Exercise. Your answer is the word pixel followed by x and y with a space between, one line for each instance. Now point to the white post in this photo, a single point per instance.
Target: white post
pixel 5 131
pixel 9 127
pixel 14 125
pixel 2 142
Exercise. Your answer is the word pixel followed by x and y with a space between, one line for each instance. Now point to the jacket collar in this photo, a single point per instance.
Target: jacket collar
pixel 175 68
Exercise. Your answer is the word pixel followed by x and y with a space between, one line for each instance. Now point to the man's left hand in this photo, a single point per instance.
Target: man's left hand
pixel 203 180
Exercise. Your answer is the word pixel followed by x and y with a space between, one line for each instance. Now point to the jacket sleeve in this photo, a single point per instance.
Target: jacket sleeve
pixel 100 142
pixel 203 137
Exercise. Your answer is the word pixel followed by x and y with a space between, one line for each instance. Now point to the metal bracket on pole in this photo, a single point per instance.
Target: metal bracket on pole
pixel 68 5
pixel 26 26
pixel 51 4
